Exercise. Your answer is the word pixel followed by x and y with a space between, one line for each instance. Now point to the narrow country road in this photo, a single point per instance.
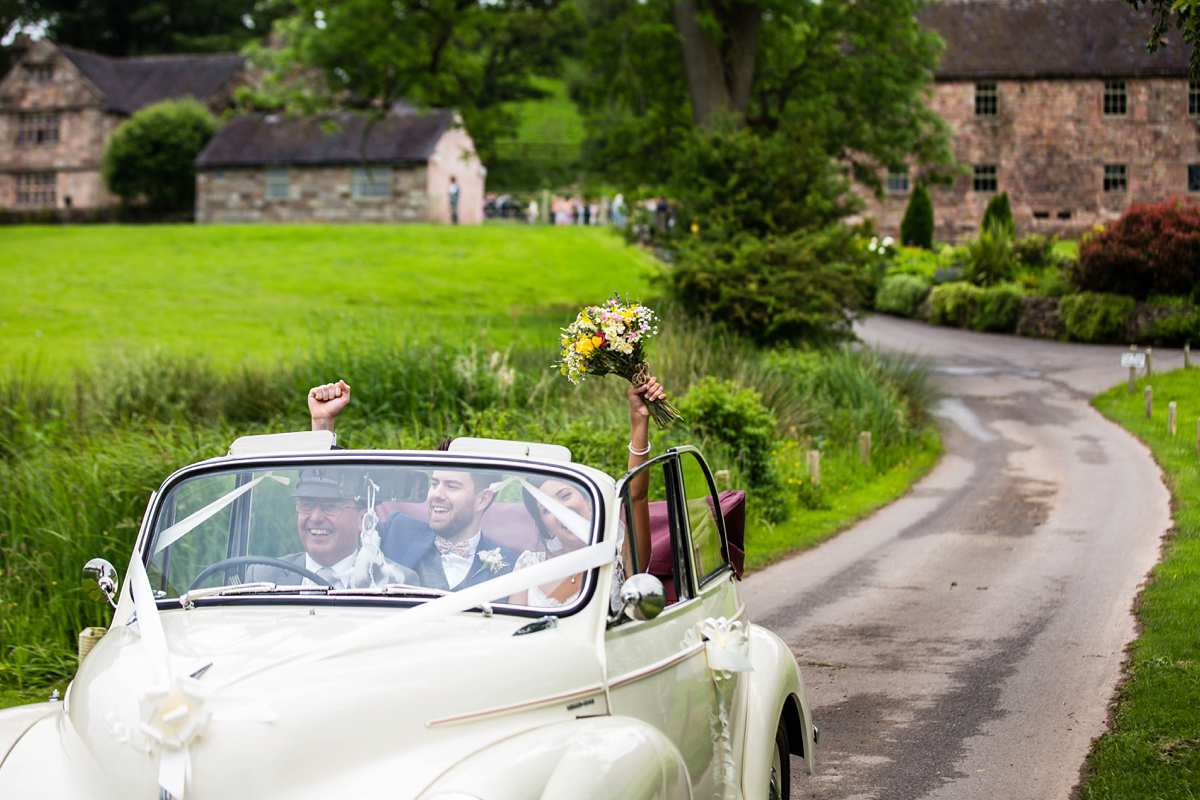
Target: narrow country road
pixel 966 641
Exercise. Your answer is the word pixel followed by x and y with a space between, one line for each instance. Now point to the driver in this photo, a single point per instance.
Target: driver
pixel 329 518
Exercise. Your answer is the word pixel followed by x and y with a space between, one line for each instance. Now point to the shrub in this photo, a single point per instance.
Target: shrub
pixel 901 294
pixel 916 229
pixel 152 154
pixel 1151 249
pixel 1176 329
pixel 997 308
pixel 1036 251
pixel 916 261
pixel 1094 317
pixel 954 304
pixel 998 212
pixel 989 258
pixel 720 411
pixel 773 288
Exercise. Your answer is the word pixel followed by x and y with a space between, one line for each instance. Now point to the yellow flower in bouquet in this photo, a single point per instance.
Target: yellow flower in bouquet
pixel 611 339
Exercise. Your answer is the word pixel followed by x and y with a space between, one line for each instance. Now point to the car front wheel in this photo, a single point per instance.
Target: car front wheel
pixel 779 785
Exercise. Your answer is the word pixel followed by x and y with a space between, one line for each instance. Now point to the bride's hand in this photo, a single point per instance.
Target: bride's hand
pixel 639 396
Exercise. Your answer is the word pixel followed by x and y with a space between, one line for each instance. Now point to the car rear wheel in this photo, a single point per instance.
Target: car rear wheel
pixel 779 785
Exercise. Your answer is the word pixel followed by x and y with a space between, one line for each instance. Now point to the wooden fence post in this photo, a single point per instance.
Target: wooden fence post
pixel 1132 371
pixel 864 447
pixel 1149 360
pixel 1171 418
pixel 814 467
pixel 1149 400
pixel 1187 355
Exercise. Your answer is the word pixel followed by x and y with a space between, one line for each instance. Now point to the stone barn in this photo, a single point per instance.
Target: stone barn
pixel 339 167
pixel 58 105
pixel 1059 104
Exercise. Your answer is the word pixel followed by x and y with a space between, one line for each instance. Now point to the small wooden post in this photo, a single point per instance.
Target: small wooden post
pixel 1149 400
pixel 1187 355
pixel 1171 418
pixel 1132 371
pixel 1149 360
pixel 864 447
pixel 722 476
pixel 814 467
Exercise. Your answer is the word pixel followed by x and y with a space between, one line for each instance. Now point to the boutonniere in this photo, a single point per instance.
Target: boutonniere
pixel 491 559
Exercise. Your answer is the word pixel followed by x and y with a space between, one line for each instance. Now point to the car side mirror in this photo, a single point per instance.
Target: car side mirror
pixel 100 581
pixel 643 597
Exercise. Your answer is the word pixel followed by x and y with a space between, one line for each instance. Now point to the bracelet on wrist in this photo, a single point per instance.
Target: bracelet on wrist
pixel 641 452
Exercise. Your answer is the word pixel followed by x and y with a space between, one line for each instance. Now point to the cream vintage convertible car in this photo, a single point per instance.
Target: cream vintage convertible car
pixel 235 669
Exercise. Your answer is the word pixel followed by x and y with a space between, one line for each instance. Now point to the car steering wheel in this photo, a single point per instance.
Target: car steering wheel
pixel 227 564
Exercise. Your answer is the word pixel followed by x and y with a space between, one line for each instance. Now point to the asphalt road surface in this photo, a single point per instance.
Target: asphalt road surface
pixel 966 641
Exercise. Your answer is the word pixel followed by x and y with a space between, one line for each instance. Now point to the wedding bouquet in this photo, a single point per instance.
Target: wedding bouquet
pixel 610 339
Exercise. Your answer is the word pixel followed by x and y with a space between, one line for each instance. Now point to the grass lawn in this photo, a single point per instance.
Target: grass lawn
pixel 1153 750
pixel 75 295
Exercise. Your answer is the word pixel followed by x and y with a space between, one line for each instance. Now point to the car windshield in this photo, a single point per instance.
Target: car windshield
pixel 355 530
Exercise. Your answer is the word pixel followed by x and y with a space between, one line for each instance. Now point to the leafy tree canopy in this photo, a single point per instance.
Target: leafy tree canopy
pixel 1184 15
pixel 469 55
pixel 152 155
pixel 147 27
pixel 850 75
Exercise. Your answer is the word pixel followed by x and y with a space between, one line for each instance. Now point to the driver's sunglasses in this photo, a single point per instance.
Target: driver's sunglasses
pixel 327 506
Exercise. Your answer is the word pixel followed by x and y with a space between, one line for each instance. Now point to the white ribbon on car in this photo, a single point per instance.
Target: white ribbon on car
pixel 726 647
pixel 189 523
pixel 175 709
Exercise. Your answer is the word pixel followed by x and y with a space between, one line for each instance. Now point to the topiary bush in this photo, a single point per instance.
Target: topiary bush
pixel 954 304
pixel 997 308
pixel 901 295
pixel 1094 317
pixel 152 155
pixel 1151 249
pixel 916 228
pixel 998 212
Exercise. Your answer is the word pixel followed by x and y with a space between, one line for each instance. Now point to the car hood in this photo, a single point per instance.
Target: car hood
pixel 395 715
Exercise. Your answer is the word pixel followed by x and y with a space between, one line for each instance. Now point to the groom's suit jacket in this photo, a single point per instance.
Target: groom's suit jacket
pixel 410 542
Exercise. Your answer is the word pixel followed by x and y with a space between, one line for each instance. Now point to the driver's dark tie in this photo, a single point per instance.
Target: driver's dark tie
pixel 328 574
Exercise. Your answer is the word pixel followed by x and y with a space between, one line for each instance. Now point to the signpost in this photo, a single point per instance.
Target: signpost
pixel 1135 361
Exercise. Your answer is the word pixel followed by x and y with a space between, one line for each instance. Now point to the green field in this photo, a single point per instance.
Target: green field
pixel 76 295
pixel 1153 749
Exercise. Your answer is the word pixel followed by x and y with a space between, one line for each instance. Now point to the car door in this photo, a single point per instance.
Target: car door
pixel 657 669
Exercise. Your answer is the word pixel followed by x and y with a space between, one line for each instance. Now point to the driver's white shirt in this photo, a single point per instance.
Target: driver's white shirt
pixel 456 567
pixel 341 570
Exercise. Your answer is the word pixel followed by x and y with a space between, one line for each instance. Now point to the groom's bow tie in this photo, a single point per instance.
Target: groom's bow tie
pixel 445 546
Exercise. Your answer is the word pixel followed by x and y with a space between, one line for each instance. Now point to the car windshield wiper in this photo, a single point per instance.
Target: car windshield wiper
pixel 257 587
pixel 394 590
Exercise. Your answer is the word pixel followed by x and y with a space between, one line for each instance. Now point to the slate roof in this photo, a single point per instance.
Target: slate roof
pixel 334 138
pixel 1050 39
pixel 128 84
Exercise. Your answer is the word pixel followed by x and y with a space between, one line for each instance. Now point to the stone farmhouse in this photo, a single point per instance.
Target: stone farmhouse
pixel 340 167
pixel 58 105
pixel 1059 104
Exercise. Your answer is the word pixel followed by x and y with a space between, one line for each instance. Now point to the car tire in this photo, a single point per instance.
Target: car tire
pixel 779 782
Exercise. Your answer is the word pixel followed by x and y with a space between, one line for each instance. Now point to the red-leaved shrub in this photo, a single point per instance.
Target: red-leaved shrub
pixel 1151 249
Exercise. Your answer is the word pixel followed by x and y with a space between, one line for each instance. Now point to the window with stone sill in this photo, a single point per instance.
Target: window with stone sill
pixel 987 99
pixel 1116 101
pixel 39 73
pixel 368 184
pixel 985 178
pixel 37 129
pixel 1193 98
pixel 1115 179
pixel 897 180
pixel 276 185
pixel 37 189
pixel 1194 177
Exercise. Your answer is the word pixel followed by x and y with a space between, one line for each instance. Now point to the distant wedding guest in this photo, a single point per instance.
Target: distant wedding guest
pixel 452 193
pixel 617 211
pixel 532 212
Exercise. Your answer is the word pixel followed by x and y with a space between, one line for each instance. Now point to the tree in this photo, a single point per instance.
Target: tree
pixel 146 27
pixel 152 155
pixel 998 212
pixel 851 75
pixel 471 55
pixel 916 228
pixel 1185 14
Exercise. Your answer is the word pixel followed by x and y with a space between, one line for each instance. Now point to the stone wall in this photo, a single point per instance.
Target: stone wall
pixel 315 194
pixel 1050 142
